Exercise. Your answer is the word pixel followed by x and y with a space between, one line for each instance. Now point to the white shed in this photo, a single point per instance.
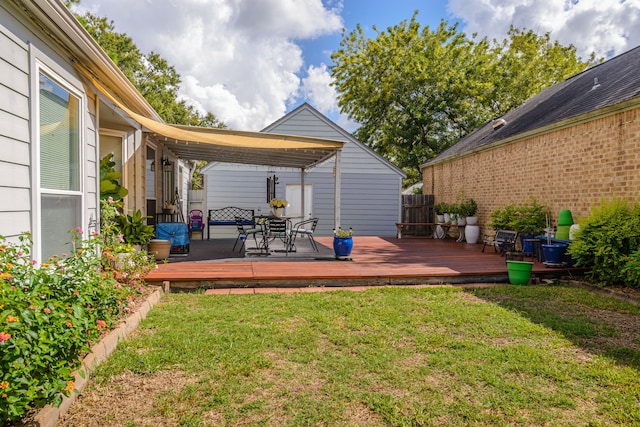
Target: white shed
pixel 370 185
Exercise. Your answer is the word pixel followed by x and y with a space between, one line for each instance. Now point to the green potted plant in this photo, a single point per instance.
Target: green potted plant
pixel 502 218
pixel 135 230
pixel 530 218
pixel 530 221
pixel 440 209
pixel 468 209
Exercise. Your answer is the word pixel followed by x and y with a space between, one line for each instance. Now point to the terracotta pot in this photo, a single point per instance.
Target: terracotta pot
pixel 160 249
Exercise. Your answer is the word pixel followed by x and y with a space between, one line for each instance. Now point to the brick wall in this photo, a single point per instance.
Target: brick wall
pixel 571 168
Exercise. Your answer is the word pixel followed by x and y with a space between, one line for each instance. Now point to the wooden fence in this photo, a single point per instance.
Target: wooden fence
pixel 417 208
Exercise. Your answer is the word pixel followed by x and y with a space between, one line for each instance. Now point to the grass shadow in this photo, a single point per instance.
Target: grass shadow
pixel 600 324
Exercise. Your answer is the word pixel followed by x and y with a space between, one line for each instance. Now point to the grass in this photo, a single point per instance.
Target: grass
pixel 505 355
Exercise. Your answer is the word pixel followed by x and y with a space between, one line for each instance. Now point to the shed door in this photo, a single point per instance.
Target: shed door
pixel 293 197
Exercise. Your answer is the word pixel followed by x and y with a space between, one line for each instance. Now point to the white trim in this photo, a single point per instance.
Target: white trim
pixel 64 79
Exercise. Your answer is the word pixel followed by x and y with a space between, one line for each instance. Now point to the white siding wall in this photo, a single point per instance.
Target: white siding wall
pixel 20 45
pixel 15 195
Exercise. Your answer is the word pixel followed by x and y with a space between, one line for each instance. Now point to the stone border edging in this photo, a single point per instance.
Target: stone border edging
pixel 49 415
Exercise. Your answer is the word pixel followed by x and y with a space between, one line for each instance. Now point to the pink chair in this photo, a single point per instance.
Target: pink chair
pixel 196 222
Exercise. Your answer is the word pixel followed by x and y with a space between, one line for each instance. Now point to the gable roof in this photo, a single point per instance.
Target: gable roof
pixel 328 122
pixel 613 84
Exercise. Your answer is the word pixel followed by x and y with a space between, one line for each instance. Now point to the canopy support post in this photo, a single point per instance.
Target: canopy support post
pixel 336 193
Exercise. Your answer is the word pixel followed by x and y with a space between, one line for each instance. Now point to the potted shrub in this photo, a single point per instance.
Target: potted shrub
pixel 343 243
pixel 440 209
pixel 135 231
pixel 530 220
pixel 502 218
pixel 469 208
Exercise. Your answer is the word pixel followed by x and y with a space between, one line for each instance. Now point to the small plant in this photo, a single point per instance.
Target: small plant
pixel 530 218
pixel 278 203
pixel 502 218
pixel 343 233
pixel 468 208
pixel 440 208
pixel 109 185
pixel 135 231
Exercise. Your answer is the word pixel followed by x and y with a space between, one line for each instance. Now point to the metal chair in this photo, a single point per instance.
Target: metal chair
pixel 278 228
pixel 304 228
pixel 245 231
pixel 196 222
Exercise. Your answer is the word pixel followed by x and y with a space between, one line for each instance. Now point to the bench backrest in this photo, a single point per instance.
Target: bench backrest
pixel 508 236
pixel 228 215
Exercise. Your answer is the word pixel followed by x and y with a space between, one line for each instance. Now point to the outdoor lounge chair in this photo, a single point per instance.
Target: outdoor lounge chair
pixel 304 228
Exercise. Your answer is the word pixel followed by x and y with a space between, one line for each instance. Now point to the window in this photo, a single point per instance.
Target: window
pixel 60 165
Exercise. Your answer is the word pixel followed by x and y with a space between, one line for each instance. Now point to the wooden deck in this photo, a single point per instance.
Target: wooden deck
pixel 375 261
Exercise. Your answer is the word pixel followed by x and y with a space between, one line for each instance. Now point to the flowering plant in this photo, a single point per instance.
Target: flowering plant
pixel 50 314
pixel 278 203
pixel 343 233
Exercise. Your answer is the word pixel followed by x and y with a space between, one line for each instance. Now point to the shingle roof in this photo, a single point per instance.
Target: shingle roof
pixel 602 85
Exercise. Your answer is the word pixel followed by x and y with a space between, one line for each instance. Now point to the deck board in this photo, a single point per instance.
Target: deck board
pixel 375 261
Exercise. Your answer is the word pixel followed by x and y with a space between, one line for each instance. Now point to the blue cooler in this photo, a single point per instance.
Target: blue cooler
pixel 177 233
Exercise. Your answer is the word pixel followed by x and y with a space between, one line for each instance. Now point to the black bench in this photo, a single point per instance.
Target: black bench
pixel 227 216
pixel 505 240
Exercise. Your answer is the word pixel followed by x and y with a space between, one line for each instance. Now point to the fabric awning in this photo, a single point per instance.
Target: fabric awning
pixel 220 145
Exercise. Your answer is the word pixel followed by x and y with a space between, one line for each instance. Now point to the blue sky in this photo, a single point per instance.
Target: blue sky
pixel 251 61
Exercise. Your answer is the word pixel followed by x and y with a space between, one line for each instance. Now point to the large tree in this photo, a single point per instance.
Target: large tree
pixel 151 74
pixel 415 91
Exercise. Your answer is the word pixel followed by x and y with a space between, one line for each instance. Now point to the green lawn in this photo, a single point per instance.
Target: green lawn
pixel 505 355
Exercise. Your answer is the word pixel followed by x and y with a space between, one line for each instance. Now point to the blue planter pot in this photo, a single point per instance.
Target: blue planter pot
pixel 526 244
pixel 342 246
pixel 554 252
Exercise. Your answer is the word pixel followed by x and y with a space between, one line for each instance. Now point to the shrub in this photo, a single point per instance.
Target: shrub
pixel 530 218
pixel 49 315
pixel 468 208
pixel 608 242
pixel 527 218
pixel 502 218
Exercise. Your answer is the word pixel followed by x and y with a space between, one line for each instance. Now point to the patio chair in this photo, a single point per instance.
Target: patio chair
pixel 196 222
pixel 279 228
pixel 244 231
pixel 304 228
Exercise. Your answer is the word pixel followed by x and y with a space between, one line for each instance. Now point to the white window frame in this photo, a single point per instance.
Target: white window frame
pixel 64 82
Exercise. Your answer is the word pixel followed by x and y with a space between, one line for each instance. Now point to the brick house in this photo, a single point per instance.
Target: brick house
pixel 570 146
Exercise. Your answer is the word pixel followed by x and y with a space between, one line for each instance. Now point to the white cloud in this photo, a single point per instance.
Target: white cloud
pixel 607 27
pixel 317 88
pixel 238 58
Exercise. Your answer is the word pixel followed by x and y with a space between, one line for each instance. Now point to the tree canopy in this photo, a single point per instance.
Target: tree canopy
pixel 151 74
pixel 416 91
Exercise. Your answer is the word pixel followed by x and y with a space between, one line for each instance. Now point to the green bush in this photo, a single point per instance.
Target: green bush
pixel 608 243
pixel 502 218
pixel 527 219
pixel 49 315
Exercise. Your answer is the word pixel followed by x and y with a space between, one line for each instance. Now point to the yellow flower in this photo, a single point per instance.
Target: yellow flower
pixel 70 386
pixel 4 384
pixel 11 319
pixel 5 276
